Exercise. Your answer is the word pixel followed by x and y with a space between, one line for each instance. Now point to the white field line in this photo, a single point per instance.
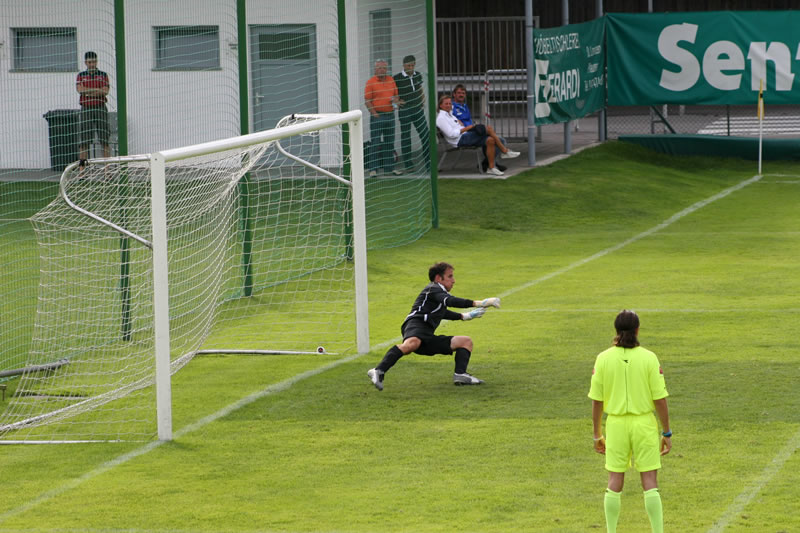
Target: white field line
pixel 287 383
pixel 754 487
pixel 674 218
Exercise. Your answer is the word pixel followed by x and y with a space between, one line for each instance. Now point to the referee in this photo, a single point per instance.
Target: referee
pixel 628 384
pixel 420 325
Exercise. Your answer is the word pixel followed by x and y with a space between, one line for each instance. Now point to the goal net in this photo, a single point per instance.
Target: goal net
pixel 253 244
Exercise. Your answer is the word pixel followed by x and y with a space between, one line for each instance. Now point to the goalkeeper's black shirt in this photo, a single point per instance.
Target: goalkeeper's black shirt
pixel 431 305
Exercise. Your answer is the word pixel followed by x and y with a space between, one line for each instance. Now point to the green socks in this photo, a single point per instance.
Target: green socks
pixel 652 504
pixel 612 505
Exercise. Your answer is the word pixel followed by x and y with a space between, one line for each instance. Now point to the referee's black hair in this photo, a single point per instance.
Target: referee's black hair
pixel 438 270
pixel 626 324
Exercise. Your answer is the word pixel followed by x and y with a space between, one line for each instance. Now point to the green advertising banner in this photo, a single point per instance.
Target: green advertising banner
pixel 716 57
pixel 570 63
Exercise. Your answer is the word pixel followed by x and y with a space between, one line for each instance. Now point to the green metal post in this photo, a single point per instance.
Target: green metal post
pixel 122 129
pixel 433 110
pixel 344 97
pixel 244 122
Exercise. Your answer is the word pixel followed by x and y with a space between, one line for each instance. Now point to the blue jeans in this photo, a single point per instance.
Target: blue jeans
pixel 381 132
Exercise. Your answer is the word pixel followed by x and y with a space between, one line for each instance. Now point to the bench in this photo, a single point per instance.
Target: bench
pixel 447 148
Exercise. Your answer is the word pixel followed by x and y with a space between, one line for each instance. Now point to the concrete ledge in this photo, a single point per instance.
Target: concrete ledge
pixel 718 146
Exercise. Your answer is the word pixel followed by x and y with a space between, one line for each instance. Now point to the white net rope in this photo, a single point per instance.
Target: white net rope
pixel 259 247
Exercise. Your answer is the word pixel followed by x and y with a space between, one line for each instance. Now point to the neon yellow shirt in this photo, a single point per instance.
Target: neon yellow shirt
pixel 627 380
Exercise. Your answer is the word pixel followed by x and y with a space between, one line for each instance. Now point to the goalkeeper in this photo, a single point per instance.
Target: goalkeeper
pixel 420 325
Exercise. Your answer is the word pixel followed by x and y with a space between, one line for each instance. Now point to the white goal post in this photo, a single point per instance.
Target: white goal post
pixel 253 244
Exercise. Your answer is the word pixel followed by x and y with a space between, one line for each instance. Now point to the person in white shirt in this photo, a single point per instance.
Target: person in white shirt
pixel 456 134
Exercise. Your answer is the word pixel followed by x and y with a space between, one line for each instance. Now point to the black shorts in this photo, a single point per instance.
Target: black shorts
pixel 431 344
pixel 93 120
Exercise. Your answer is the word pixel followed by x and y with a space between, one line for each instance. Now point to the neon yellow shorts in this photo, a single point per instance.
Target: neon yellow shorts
pixel 632 437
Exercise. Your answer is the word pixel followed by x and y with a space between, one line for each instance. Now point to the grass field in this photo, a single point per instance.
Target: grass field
pixel 703 251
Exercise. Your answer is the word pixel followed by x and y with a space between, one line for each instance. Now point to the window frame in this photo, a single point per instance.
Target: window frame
pixel 380 37
pixel 166 63
pixel 68 43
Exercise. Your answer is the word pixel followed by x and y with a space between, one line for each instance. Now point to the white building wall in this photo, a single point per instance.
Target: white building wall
pixel 167 109
pixel 25 96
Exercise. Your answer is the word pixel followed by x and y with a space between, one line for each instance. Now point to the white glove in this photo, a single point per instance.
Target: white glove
pixel 493 302
pixel 475 313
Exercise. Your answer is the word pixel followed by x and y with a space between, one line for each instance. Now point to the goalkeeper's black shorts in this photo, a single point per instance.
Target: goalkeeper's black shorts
pixel 431 344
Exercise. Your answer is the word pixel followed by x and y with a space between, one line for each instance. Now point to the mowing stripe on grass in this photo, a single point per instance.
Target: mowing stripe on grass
pixel 746 496
pixel 287 383
pixel 674 218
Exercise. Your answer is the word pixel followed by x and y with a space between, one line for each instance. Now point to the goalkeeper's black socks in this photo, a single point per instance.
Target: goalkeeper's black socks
pixel 392 356
pixel 462 360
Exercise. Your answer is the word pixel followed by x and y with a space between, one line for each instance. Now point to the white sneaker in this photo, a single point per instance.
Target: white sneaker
pixel 495 171
pixel 373 173
pixel 466 379
pixel 376 376
pixel 511 154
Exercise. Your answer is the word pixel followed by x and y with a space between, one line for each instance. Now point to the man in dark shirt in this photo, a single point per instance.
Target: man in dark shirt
pixel 420 325
pixel 92 84
pixel 411 111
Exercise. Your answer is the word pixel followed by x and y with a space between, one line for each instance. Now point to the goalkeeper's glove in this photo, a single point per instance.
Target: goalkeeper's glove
pixel 475 313
pixel 493 302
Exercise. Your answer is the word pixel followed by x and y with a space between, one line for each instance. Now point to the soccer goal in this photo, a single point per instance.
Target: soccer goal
pixel 254 244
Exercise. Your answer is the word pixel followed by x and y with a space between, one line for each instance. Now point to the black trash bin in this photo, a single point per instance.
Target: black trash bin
pixel 63 127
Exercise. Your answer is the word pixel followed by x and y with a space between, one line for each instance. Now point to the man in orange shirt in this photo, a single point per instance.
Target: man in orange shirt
pixel 380 95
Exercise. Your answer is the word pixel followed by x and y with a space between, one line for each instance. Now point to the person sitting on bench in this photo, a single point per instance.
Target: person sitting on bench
pixel 457 134
pixel 461 112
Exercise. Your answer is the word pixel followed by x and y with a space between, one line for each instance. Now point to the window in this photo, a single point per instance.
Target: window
pixel 45 49
pixel 187 47
pixel 380 36
pixel 287 46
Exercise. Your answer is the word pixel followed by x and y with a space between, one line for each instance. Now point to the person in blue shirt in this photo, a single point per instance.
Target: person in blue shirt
pixel 461 112
pixel 460 107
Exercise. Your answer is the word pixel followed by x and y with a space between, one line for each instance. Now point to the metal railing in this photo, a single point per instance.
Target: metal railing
pixel 487 56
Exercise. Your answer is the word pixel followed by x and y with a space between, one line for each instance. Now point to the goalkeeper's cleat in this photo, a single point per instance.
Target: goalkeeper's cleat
pixel 376 376
pixel 466 379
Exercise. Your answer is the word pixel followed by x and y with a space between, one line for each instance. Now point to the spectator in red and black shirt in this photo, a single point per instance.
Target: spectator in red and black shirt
pixel 92 84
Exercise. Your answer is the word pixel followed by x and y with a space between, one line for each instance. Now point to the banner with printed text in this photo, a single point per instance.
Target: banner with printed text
pixel 570 66
pixel 716 57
